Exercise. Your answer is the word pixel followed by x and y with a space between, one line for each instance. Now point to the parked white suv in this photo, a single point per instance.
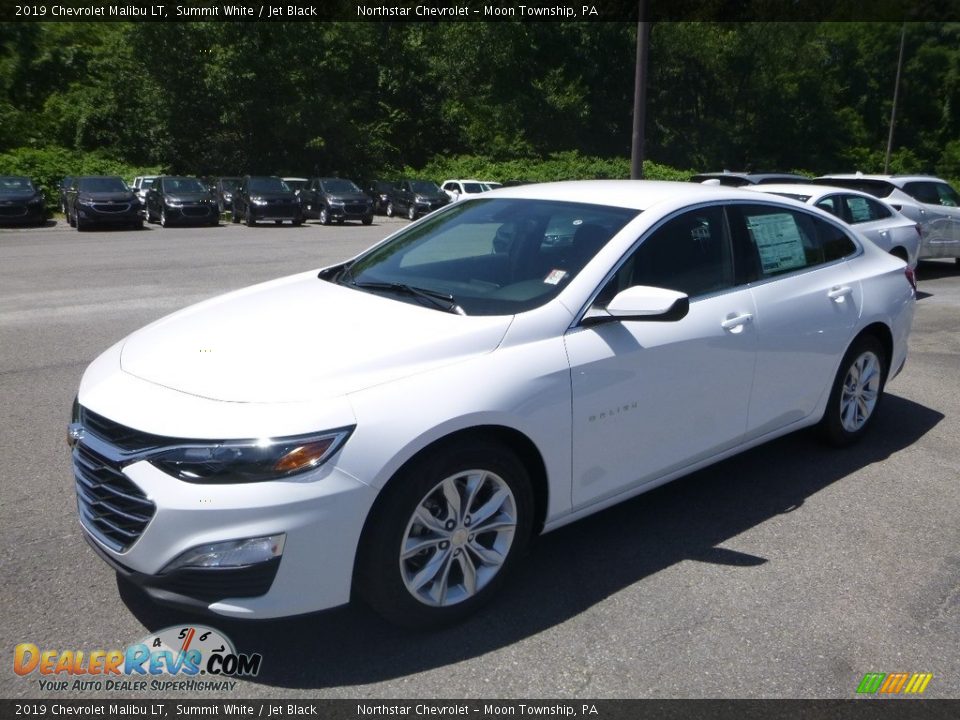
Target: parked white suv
pixel 460 189
pixel 141 184
pixel 927 200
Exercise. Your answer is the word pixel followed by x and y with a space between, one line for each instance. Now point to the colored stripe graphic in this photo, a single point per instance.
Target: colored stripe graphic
pixel 871 683
pixel 894 683
pixel 918 683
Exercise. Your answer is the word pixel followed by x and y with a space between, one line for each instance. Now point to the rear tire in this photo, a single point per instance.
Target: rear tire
pixel 856 393
pixel 468 512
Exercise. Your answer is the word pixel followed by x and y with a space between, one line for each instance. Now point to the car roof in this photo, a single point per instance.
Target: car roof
pixel 755 178
pixel 814 191
pixel 897 180
pixel 636 194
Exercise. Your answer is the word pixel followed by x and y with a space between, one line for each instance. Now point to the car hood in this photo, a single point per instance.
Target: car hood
pixel 106 196
pixel 301 338
pixel 187 196
pixel 273 196
pixel 348 197
pixel 18 195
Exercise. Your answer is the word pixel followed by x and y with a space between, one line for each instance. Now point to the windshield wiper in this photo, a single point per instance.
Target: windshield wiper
pixel 444 301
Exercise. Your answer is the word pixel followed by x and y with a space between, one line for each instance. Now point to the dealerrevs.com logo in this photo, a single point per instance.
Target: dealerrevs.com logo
pixel 193 657
pixel 898 683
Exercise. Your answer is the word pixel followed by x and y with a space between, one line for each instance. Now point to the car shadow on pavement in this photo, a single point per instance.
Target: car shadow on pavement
pixel 570 570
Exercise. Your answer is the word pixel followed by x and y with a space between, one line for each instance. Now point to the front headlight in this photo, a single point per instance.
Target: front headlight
pixel 172 203
pixel 244 461
pixel 258 201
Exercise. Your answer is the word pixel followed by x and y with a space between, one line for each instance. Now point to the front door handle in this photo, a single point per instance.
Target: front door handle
pixel 735 324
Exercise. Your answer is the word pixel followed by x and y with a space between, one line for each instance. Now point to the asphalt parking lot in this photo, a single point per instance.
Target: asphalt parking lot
pixel 789 571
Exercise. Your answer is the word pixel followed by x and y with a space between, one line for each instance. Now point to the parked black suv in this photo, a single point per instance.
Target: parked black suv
pixel 102 200
pixel 21 201
pixel 380 191
pixel 224 188
pixel 265 197
pixel 182 200
pixel 329 199
pixel 416 197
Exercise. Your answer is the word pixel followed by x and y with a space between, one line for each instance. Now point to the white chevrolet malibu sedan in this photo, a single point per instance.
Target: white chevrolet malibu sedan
pixel 399 426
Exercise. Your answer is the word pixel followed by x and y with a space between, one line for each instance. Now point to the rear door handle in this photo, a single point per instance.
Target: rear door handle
pixel 837 294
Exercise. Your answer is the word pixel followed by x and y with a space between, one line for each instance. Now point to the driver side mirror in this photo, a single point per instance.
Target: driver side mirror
pixel 641 303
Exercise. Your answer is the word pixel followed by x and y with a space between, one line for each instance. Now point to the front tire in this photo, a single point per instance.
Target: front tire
pixel 389 209
pixel 367 219
pixel 445 534
pixel 411 213
pixel 856 393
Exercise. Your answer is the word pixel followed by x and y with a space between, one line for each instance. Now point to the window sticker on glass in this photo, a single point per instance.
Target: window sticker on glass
pixel 555 276
pixel 859 210
pixel 778 241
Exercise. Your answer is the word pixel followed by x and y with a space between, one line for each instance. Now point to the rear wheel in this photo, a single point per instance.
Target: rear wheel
pixel 856 393
pixel 445 534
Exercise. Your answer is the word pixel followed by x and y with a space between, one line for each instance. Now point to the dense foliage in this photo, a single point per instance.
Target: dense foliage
pixel 501 100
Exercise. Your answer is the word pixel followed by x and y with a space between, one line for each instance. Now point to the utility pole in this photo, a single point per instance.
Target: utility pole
pixel 896 95
pixel 640 93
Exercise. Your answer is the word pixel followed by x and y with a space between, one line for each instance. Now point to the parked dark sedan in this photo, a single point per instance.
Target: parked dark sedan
pixel 416 197
pixel 102 200
pixel 262 197
pixel 175 199
pixel 21 202
pixel 339 199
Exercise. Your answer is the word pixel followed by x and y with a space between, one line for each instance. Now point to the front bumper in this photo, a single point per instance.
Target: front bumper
pixel 110 214
pixel 192 213
pixel 350 211
pixel 321 515
pixel 22 213
pixel 276 211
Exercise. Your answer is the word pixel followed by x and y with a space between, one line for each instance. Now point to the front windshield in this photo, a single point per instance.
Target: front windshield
pixel 494 257
pixel 183 184
pixel 424 187
pixel 103 184
pixel 15 184
pixel 268 184
pixel 339 186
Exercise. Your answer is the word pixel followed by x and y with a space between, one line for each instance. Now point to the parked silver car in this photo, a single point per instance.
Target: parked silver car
pixel 927 200
pixel 878 221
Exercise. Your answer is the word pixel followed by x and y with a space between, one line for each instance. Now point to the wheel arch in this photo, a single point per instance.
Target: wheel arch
pixel 884 336
pixel 521 445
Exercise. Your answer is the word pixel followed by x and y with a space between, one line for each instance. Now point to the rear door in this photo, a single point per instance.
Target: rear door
pixel 808 303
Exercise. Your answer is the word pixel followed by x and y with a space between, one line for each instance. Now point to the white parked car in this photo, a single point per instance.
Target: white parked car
pixel 460 189
pixel 892 231
pixel 927 200
pixel 401 425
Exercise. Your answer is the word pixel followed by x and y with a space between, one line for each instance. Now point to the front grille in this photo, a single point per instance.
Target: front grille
pixel 111 507
pixel 356 209
pixel 111 207
pixel 195 210
pixel 120 436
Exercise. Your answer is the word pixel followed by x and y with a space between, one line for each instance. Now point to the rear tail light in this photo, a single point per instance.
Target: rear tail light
pixel 911 277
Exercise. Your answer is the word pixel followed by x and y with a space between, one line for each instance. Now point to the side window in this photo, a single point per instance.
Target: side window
pixel 690 253
pixel 831 205
pixel 787 240
pixel 861 209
